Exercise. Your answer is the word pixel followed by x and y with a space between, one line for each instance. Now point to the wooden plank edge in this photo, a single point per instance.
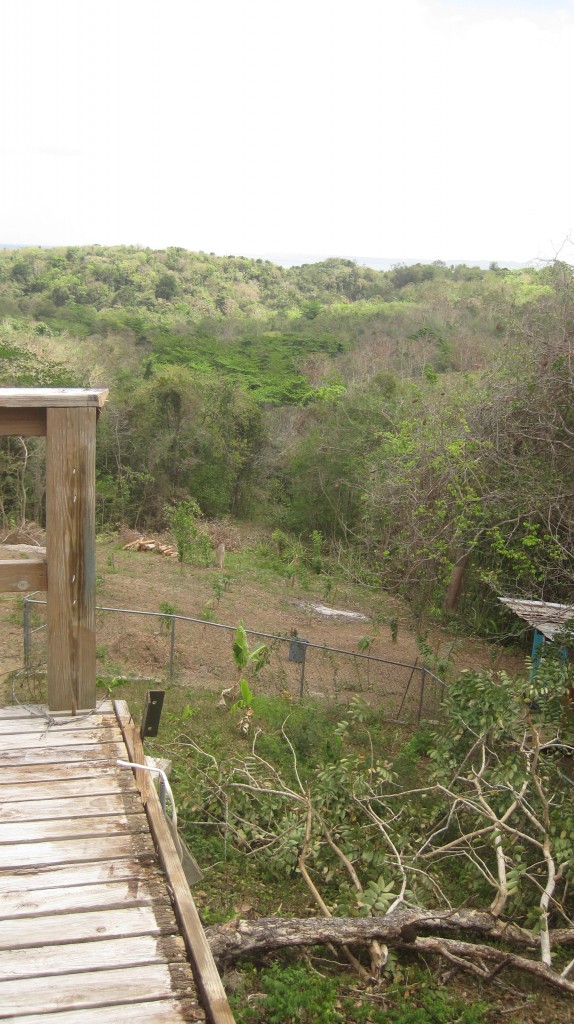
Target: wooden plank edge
pixel 205 971
pixel 50 398
pixel 77 753
pixel 158 1011
pixel 87 989
pixel 23 711
pixel 95 955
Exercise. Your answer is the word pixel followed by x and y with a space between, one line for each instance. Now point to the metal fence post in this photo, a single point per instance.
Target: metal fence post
pixel 421 701
pixel 27 637
pixel 172 647
pixel 302 681
pixel 297 653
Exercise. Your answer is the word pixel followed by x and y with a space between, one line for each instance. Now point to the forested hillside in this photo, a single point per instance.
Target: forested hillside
pixel 418 423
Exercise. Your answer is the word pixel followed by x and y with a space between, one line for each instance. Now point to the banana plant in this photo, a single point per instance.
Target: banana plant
pixel 246 660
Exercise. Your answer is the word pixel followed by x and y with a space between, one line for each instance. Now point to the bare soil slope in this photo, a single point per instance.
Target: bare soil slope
pixel 249 592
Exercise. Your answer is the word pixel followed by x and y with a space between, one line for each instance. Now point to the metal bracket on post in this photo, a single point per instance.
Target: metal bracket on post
pixel 297 652
pixel 152 713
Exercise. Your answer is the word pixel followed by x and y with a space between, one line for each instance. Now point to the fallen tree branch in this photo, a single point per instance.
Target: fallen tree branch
pixel 355 964
pixel 401 929
pixel 465 954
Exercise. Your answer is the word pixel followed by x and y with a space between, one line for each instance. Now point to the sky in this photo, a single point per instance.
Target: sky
pixel 430 129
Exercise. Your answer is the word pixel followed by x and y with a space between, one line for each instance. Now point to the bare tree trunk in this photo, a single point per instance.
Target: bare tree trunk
pixel 400 929
pixel 455 583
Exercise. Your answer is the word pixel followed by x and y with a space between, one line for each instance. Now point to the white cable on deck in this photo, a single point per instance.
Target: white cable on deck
pixel 171 821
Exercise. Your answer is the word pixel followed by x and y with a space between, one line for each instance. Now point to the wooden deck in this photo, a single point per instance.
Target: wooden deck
pixel 96 927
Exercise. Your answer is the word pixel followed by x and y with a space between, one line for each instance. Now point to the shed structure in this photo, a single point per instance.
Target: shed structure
pixel 546 618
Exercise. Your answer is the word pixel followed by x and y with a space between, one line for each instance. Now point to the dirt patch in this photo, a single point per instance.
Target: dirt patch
pixel 197 654
pixel 30 534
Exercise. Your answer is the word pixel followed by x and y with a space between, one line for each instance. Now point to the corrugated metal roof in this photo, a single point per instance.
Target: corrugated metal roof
pixel 548 618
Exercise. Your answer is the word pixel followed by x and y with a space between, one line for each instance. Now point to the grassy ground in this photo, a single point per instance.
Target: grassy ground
pixel 264 593
pixel 309 986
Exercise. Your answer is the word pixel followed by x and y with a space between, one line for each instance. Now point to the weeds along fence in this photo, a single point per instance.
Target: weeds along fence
pixel 197 653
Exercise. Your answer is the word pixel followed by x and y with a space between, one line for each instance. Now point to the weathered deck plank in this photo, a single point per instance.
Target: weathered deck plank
pixel 164 1011
pixel 93 988
pixel 15 725
pixel 22 879
pixel 87 930
pixel 106 784
pixel 94 769
pixel 56 929
pixel 53 806
pixel 58 737
pixel 74 828
pixel 50 961
pixel 75 851
pixel 82 753
pixel 128 893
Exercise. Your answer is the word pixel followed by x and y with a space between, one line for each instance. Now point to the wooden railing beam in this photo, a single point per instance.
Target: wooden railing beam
pixel 23 422
pixel 22 575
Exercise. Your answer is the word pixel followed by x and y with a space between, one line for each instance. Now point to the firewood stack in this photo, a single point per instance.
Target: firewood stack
pixel 149 544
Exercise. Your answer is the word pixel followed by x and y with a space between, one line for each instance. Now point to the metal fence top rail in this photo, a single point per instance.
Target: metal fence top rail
pixel 30 599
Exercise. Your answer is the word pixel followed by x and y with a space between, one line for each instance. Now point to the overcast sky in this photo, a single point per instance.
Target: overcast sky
pixel 390 128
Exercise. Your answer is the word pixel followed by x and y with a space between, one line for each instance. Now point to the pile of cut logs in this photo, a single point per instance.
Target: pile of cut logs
pixel 149 544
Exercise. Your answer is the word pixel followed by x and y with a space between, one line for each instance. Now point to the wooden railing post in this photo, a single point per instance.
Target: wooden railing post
pixel 67 417
pixel 70 554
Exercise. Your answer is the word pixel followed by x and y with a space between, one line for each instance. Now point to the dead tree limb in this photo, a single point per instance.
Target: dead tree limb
pixel 401 930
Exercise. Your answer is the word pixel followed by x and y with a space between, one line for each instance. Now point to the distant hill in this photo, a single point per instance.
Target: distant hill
pixel 300 259
pixel 376 262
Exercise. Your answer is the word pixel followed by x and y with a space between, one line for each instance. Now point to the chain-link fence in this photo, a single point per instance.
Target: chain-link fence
pixel 195 653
